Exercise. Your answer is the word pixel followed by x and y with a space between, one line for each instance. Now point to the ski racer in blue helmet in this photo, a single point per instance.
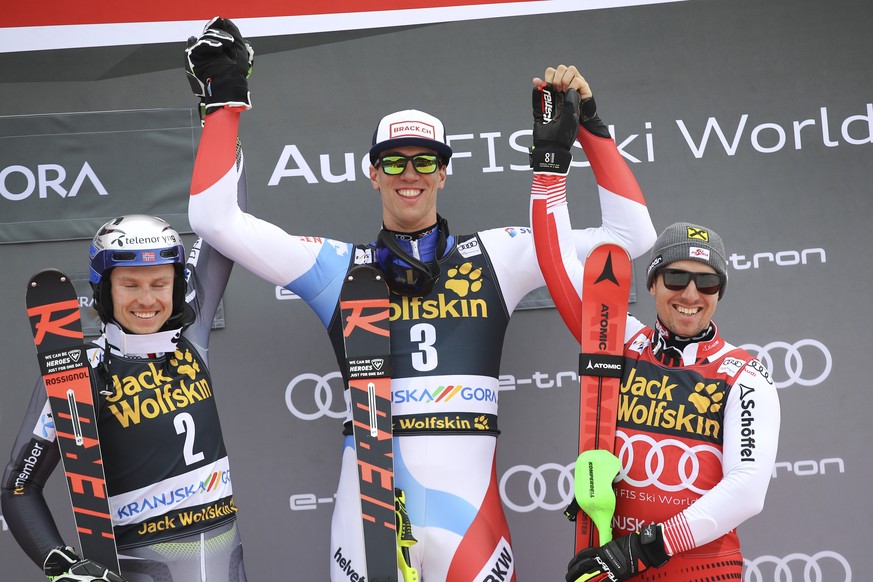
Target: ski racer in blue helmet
pixel 151 385
pixel 119 252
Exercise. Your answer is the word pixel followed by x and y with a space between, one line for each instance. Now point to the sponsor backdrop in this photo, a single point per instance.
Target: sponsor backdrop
pixel 754 118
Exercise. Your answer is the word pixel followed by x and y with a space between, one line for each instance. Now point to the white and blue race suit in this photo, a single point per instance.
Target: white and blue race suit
pixel 445 351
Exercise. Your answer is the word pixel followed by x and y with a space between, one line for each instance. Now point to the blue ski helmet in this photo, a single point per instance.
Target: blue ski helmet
pixel 135 240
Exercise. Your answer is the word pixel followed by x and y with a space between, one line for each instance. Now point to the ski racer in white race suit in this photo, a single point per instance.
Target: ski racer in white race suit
pixel 166 465
pixel 452 296
pixel 698 418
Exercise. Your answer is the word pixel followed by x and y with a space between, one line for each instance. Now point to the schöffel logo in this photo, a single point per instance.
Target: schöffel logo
pixel 747 423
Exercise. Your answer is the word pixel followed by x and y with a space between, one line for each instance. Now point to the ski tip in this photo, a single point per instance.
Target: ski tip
pixel 359 272
pixel 608 247
pixel 47 276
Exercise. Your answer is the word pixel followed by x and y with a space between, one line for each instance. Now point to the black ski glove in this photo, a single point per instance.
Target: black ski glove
pixel 218 65
pixel 620 559
pixel 589 119
pixel 556 120
pixel 62 564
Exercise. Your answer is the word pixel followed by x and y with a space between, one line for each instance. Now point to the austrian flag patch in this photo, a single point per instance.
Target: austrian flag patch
pixel 699 253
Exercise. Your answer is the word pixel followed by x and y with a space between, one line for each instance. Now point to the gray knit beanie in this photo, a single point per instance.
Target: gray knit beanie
pixel 684 241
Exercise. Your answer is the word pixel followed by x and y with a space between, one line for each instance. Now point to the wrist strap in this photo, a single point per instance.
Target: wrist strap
pixel 652 545
pixel 550 161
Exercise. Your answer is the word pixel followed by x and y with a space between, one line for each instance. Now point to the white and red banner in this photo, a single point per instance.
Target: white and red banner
pixel 60 24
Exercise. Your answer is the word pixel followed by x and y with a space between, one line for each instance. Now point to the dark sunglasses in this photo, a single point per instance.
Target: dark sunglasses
pixel 706 283
pixel 395 164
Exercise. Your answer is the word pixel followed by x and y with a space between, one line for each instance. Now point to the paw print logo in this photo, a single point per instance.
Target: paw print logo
pixel 705 398
pixel 185 363
pixel 481 422
pixel 464 279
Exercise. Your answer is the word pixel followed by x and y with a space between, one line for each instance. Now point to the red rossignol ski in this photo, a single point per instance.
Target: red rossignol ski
pixel 53 310
pixel 605 291
pixel 364 307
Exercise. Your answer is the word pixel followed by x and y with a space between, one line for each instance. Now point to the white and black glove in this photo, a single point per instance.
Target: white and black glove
pixel 62 564
pixel 218 65
pixel 556 121
pixel 620 559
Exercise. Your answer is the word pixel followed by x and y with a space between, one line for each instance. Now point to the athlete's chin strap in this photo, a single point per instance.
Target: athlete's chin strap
pixel 132 344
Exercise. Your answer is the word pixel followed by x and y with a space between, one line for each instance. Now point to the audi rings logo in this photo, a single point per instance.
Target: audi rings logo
pixel 310 396
pixel 550 486
pixel 806 362
pixel 682 462
pixel 825 566
pixel 670 465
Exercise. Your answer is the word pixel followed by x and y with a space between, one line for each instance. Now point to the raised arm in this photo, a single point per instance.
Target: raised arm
pixel 208 273
pixel 625 216
pixel 213 209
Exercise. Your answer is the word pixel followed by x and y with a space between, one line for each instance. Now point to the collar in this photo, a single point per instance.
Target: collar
pixel 427 244
pixel 675 350
pixel 131 344
pixel 419 234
